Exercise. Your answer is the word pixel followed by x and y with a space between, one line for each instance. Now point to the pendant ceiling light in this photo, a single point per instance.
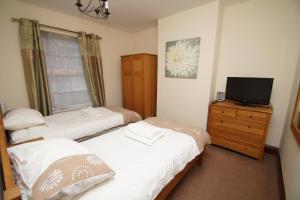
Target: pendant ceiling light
pixel 94 8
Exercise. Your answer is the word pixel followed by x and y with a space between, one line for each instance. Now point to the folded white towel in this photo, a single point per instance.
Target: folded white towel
pixel 143 140
pixel 145 130
pixel 90 111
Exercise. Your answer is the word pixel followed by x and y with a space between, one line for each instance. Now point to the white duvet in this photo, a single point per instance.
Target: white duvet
pixel 141 171
pixel 73 125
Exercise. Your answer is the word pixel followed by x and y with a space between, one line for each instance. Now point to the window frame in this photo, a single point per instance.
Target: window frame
pixel 71 108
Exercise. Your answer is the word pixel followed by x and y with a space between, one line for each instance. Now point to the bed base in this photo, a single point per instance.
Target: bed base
pixel 172 184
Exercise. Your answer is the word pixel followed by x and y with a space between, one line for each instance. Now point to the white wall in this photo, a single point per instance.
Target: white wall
pixel 12 81
pixel 187 100
pixel 145 41
pixel 260 39
pixel 289 148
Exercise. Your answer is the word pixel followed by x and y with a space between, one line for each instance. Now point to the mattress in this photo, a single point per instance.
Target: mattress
pixel 72 124
pixel 141 171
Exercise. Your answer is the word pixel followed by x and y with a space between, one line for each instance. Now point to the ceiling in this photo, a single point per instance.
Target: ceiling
pixel 127 15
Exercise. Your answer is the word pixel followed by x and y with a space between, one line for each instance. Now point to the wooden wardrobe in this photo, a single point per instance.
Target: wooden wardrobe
pixel 139 83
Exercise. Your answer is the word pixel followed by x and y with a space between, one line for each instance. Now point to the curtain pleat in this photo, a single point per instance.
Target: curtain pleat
pixel 34 66
pixel 92 64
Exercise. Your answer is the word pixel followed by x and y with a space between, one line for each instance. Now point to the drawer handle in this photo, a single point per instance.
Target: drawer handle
pixel 221 121
pixel 251 116
pixel 223 111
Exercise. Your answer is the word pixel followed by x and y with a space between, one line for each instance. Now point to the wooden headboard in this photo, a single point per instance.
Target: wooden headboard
pixel 11 191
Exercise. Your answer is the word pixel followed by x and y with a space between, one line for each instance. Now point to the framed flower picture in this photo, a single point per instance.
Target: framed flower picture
pixel 182 58
pixel 295 124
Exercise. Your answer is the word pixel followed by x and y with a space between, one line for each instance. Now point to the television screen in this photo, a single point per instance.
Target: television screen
pixel 249 90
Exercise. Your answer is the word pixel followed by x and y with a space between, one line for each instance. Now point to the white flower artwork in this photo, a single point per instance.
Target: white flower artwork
pixel 182 58
pixel 52 181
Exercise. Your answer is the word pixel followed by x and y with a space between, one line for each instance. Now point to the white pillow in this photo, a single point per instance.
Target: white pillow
pixel 36 163
pixel 33 158
pixel 22 118
pixel 28 134
pixel 18 136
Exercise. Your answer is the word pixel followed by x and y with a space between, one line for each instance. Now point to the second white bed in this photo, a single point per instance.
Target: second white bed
pixel 141 171
pixel 72 124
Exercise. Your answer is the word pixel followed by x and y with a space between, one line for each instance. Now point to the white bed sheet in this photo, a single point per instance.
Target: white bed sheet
pixel 73 125
pixel 141 171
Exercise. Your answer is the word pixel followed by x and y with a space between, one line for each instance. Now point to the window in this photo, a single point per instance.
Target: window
pixel 67 85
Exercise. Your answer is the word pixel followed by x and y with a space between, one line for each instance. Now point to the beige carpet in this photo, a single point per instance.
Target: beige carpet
pixel 226 175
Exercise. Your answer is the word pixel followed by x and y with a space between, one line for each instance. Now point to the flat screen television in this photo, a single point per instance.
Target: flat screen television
pixel 249 90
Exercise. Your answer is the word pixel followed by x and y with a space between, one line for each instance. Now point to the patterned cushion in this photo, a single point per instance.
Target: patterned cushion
pixel 70 176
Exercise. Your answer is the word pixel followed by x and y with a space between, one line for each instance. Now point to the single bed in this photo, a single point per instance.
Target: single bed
pixel 141 172
pixel 78 125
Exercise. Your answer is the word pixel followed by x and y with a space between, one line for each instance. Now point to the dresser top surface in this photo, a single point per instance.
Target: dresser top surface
pixel 231 104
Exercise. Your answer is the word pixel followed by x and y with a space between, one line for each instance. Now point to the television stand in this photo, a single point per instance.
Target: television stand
pixel 240 128
pixel 249 105
pixel 246 104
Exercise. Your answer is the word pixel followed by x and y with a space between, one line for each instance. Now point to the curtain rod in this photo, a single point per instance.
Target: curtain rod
pixel 54 27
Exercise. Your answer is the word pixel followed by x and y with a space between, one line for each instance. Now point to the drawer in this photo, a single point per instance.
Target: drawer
pixel 242 148
pixel 251 116
pixel 237 136
pixel 229 112
pixel 238 125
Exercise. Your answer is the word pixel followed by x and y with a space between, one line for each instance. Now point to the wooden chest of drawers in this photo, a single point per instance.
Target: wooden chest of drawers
pixel 239 128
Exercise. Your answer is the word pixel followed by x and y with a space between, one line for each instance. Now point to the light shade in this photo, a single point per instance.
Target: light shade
pixel 94 8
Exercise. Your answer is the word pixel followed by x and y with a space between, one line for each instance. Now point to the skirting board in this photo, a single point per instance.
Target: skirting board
pixel 275 150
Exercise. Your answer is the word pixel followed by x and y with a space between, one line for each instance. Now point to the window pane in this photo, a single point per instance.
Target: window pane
pixel 66 79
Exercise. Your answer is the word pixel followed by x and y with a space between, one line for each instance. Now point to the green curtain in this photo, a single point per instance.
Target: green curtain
pixel 92 64
pixel 34 66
